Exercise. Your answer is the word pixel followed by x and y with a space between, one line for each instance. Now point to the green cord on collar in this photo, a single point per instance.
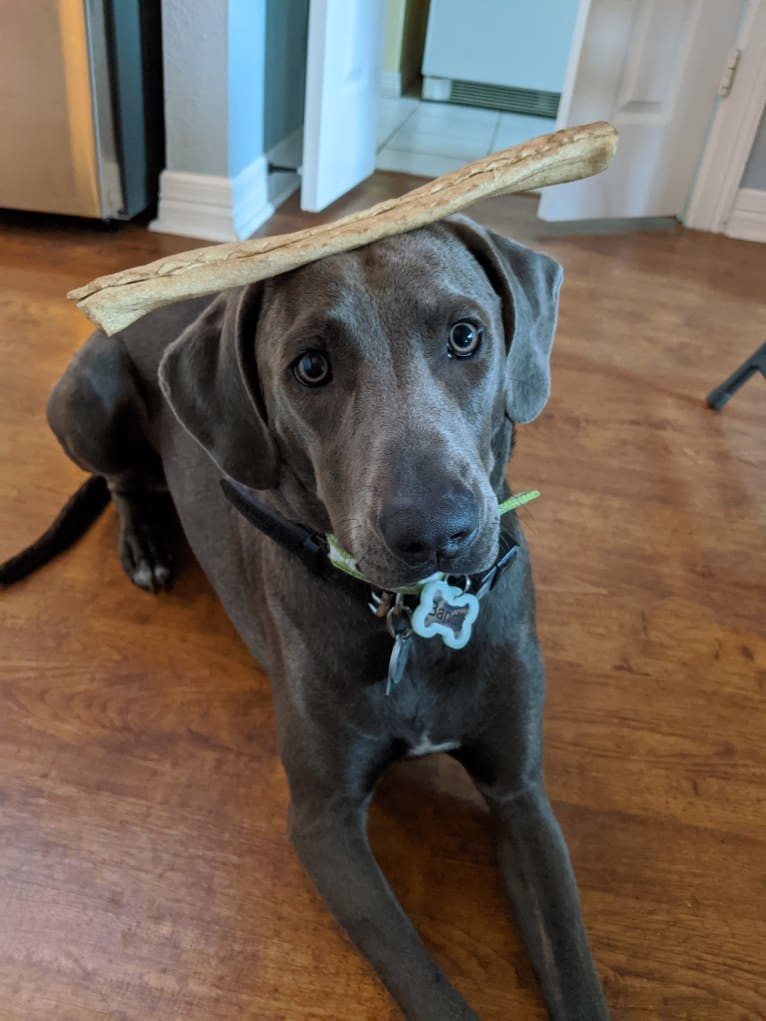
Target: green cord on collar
pixel 345 562
pixel 517 501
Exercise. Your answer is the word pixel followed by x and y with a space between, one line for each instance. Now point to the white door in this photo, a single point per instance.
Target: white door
pixel 345 47
pixel 652 68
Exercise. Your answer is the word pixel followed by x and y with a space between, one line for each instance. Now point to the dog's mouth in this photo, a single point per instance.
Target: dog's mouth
pixel 399 540
pixel 386 572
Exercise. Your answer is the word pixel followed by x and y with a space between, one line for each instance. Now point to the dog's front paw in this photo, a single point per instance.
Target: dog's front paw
pixel 143 546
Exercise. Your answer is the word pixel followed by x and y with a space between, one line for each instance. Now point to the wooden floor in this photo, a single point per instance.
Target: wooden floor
pixel 144 869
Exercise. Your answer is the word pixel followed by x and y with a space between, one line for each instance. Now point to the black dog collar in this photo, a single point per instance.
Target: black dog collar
pixel 311 549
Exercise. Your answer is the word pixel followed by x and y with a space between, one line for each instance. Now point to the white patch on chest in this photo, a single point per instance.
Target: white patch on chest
pixel 425 747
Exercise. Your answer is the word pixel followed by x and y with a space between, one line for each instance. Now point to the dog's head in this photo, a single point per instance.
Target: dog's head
pixel 377 390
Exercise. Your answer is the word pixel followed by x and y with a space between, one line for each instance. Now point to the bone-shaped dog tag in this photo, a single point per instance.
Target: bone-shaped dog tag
pixel 446 611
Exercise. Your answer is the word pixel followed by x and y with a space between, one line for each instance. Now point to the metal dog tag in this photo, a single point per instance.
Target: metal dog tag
pixel 398 624
pixel 397 664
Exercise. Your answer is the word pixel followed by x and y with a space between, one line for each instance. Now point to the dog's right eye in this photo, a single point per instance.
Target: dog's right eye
pixel 464 339
pixel 312 368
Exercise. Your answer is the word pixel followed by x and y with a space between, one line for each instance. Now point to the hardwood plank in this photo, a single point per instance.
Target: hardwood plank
pixel 144 868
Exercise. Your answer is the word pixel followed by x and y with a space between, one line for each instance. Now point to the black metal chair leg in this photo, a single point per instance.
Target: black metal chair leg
pixel 755 363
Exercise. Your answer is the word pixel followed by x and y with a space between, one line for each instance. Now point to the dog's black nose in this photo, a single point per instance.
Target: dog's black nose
pixel 419 531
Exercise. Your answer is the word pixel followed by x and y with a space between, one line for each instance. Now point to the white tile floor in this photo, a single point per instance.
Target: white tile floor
pixel 417 137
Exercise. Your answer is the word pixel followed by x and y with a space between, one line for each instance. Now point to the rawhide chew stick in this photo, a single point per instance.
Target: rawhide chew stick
pixel 115 301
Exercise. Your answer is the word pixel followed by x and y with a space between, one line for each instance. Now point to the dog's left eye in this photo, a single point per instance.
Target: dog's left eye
pixel 312 369
pixel 464 339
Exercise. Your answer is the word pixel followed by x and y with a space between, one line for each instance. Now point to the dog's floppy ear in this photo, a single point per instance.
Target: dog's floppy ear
pixel 528 284
pixel 208 377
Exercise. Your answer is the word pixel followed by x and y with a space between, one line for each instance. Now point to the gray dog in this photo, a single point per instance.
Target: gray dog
pixel 371 396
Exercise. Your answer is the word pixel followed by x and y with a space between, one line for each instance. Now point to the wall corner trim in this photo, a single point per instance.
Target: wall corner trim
pixel 211 207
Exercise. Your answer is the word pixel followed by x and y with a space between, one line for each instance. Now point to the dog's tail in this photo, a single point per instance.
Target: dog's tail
pixel 74 520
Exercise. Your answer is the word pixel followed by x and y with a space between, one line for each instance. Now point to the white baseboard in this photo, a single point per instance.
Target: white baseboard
pixel 391 84
pixel 211 207
pixel 747 219
pixel 250 198
pixel 217 208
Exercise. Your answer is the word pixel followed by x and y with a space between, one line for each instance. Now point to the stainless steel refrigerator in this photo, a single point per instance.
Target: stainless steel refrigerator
pixel 80 106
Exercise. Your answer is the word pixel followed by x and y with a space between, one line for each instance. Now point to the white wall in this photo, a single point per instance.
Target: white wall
pixel 246 69
pixel 755 171
pixel 403 43
pixel 214 58
pixel 194 38
pixel 285 72
pixel 215 184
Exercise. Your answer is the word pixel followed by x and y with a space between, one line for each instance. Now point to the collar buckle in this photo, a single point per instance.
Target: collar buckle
pixel 493 575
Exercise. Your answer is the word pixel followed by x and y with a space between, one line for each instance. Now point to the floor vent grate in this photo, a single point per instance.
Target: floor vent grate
pixel 505 97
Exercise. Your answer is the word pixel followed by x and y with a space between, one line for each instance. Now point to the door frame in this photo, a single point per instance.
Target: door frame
pixel 575 49
pixel 733 31
pixel 732 130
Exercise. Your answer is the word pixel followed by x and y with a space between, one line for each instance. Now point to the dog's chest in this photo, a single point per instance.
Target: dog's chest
pixel 422 722
pixel 425 746
pixel 429 718
pixel 433 705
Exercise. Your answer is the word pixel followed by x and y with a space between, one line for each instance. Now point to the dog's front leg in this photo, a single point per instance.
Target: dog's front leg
pixel 331 841
pixel 538 876
pixel 506 765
